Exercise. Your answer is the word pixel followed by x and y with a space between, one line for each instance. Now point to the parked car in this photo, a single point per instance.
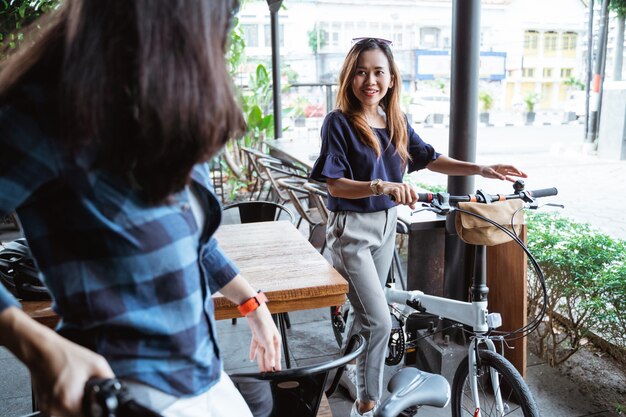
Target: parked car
pixel 430 108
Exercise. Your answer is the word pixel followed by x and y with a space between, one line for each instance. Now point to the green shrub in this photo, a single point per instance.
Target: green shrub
pixel 585 273
pixel 486 100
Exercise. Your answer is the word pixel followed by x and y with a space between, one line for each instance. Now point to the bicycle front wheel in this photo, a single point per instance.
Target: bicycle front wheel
pixel 517 399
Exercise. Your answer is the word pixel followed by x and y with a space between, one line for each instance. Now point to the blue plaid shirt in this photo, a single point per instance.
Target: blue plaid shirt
pixel 130 281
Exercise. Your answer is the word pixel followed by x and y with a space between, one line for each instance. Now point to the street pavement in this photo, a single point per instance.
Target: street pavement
pixel 592 189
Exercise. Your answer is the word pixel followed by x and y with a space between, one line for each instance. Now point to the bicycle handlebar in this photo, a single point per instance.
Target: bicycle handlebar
pixel 109 398
pixel 441 202
pixel 480 197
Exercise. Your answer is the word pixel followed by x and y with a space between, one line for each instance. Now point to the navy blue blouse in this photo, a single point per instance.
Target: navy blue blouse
pixel 343 155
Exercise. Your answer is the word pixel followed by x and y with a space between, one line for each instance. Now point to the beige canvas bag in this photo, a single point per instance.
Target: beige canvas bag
pixel 478 232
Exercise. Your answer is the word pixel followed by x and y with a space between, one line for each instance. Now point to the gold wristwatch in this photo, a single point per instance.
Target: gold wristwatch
pixel 374 185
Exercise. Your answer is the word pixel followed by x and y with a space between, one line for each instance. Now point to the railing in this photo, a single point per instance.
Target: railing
pixel 304 108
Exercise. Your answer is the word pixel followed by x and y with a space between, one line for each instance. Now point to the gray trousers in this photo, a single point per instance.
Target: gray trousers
pixel 361 245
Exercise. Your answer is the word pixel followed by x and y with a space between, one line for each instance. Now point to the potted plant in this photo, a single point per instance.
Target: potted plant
pixel 486 103
pixel 530 100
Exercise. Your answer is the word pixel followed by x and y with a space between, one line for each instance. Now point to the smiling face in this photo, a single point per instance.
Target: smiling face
pixel 372 78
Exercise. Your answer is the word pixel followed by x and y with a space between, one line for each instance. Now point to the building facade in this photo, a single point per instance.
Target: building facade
pixel 528 46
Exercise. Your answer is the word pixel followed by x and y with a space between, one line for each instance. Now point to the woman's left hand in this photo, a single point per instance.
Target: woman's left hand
pixel 502 172
pixel 265 344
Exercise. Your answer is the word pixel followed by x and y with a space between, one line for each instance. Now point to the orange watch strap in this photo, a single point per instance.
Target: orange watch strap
pixel 252 303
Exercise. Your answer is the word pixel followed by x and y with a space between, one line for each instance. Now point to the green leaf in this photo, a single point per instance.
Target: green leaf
pixel 266 122
pixel 254 117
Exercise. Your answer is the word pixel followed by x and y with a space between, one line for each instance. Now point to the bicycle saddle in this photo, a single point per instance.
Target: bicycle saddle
pixel 412 387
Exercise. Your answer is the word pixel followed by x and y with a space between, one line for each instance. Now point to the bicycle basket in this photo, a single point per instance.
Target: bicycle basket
pixel 476 231
pixel 19 274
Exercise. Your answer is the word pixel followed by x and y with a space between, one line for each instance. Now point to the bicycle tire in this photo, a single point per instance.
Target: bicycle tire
pixel 517 398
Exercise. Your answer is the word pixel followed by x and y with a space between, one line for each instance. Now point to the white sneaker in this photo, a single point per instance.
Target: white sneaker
pixel 355 411
pixel 348 380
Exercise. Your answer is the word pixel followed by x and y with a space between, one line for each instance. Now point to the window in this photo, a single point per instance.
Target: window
pixel 251 35
pixel 398 40
pixel 268 35
pixel 531 41
pixel 528 72
pixel 335 30
pixel 569 43
pixel 429 38
pixel 547 73
pixel 549 43
pixel 566 72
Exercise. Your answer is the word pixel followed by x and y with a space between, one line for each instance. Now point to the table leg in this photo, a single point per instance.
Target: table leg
pixel 283 334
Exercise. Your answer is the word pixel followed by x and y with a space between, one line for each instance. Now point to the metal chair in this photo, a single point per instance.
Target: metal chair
pixel 300 199
pixel 298 391
pixel 281 169
pixel 260 211
pixel 266 211
pixel 403 229
pixel 318 194
pixel 260 176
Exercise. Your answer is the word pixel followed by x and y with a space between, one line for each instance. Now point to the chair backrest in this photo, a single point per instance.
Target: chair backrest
pixel 252 156
pixel 260 211
pixel 318 195
pixel 276 170
pixel 299 198
pixel 296 391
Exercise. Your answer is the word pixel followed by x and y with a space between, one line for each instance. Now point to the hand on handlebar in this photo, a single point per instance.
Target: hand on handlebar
pixel 400 193
pixel 60 377
pixel 501 172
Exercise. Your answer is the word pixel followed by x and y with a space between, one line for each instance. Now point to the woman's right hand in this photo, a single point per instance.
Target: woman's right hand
pixel 401 193
pixel 59 368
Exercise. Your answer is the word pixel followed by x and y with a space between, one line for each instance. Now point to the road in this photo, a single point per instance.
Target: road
pixel 592 189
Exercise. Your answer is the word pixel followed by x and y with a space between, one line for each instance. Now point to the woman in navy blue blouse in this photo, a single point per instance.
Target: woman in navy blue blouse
pixel 367 145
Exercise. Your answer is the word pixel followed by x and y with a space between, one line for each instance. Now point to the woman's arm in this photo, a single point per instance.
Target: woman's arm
pixel 450 166
pixel 345 188
pixel 59 368
pixel 265 344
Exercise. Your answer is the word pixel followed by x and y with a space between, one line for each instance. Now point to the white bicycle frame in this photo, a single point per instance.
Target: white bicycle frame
pixel 474 314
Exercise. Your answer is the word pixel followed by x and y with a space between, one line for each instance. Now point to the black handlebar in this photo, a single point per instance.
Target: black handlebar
pixel 445 200
pixel 109 398
pixel 481 197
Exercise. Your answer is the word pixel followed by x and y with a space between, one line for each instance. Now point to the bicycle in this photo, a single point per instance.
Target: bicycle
pixel 409 387
pixel 108 397
pixel 485 383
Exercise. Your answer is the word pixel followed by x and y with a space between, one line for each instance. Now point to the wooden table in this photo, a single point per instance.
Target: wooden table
pixel 272 256
pixel 277 258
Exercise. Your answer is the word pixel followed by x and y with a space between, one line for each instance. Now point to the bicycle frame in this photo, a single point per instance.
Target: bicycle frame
pixel 474 314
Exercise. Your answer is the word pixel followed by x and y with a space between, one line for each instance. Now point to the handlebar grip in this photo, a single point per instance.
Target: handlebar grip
pixel 545 192
pixel 425 197
pixel 421 197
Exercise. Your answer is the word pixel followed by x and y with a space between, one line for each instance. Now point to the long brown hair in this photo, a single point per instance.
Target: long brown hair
pixel 144 81
pixel 350 106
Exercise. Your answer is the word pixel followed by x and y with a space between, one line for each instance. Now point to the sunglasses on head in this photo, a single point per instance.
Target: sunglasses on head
pixel 379 41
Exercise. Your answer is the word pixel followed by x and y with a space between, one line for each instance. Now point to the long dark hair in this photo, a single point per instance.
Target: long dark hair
pixel 143 81
pixel 350 106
